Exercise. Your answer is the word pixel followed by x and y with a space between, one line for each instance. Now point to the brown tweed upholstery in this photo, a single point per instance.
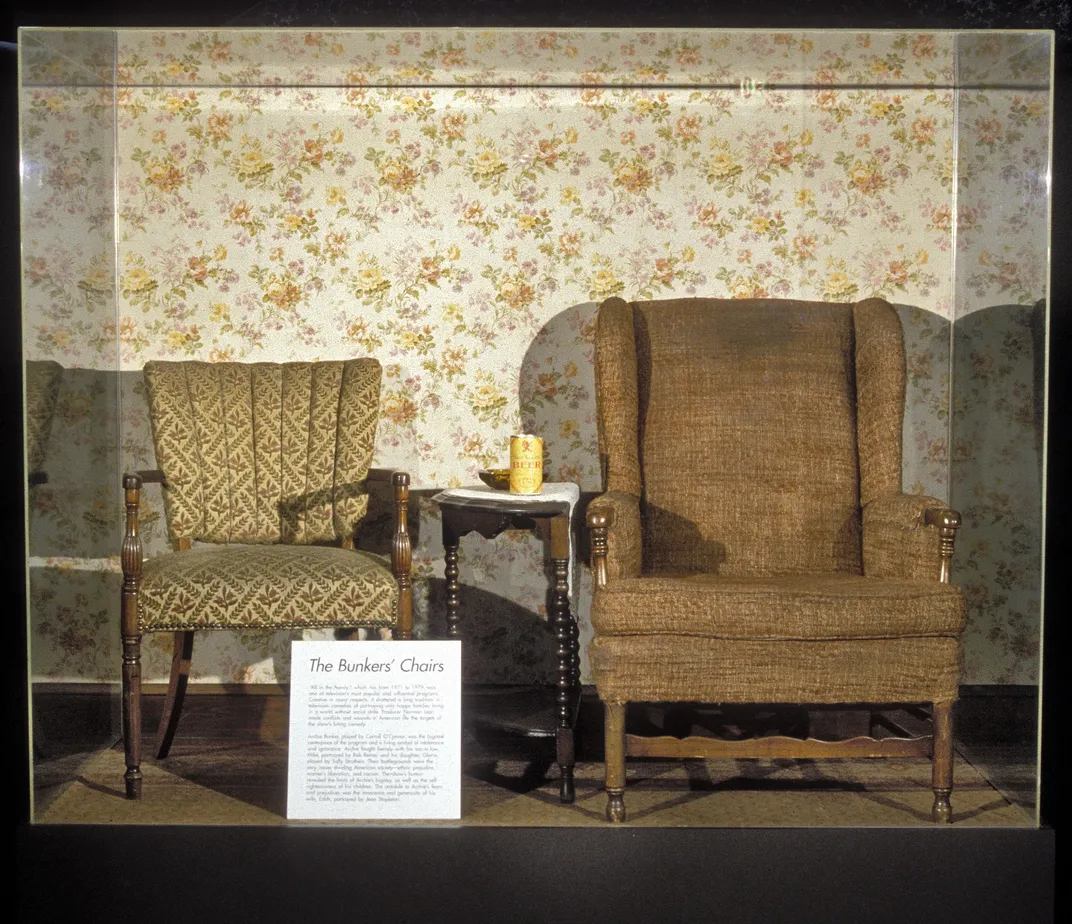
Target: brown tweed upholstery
pixel 761 548
pixel 732 395
pixel 880 393
pixel 264 452
pixel 266 587
pixel 788 606
pixel 669 668
pixel 896 543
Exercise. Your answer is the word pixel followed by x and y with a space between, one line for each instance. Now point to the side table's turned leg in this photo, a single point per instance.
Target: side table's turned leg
pixel 565 632
pixel 450 554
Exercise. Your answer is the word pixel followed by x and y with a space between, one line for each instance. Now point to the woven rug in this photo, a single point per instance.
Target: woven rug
pixel 245 784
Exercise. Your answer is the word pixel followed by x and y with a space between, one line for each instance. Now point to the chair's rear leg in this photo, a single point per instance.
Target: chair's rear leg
pixel 942 768
pixel 614 759
pixel 180 675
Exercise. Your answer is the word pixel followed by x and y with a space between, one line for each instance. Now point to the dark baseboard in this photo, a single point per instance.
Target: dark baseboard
pixel 72 717
pixel 998 714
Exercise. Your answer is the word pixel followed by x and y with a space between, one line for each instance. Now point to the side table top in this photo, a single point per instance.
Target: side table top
pixel 555 497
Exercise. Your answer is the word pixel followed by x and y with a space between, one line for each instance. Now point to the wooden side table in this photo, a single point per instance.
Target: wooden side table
pixel 489 512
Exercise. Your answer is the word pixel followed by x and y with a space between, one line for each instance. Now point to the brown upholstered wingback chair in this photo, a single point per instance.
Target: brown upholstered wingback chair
pixel 264 469
pixel 753 544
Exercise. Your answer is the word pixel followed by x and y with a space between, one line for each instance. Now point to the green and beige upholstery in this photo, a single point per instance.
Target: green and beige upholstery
pixel 753 544
pixel 264 468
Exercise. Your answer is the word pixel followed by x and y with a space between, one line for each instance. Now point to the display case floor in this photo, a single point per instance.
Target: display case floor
pixel 229 765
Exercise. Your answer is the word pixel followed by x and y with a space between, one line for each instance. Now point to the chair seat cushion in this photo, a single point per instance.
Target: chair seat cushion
pixel 812 606
pixel 266 586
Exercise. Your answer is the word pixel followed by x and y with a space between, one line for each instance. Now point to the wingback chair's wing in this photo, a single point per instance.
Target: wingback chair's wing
pixel 753 543
pixel 264 452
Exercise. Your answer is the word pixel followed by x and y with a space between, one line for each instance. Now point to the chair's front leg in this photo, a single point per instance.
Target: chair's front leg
pixel 614 759
pixel 947 523
pixel 402 556
pixel 131 635
pixel 942 762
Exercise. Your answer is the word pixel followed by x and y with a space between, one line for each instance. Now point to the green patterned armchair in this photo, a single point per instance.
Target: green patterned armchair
pixel 753 544
pixel 264 469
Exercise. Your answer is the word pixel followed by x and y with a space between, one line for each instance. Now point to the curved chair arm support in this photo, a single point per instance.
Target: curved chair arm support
pixel 132 553
pixel 402 555
pixel 947 522
pixel 613 519
pixel 909 536
pixel 401 547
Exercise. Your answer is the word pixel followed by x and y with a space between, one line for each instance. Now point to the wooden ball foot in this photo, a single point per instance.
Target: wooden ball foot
pixel 942 813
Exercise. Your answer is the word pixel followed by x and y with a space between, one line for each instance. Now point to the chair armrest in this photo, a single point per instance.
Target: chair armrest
pixel 909 536
pixel 614 522
pixel 151 476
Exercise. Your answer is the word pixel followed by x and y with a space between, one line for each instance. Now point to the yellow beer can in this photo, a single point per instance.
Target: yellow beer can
pixel 526 464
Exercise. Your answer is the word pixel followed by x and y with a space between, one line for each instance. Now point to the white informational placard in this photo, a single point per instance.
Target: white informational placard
pixel 375 730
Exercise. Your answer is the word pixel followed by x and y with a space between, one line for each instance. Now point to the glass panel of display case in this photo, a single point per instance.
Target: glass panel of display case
pixel 998 409
pixel 67 129
pixel 457 203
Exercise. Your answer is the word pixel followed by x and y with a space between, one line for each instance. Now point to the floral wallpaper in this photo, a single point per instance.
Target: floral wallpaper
pixel 457 204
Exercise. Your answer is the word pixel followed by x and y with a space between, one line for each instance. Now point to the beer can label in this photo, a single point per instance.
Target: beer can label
pixel 526 464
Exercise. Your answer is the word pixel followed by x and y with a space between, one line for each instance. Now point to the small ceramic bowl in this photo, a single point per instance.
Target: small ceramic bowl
pixel 496 478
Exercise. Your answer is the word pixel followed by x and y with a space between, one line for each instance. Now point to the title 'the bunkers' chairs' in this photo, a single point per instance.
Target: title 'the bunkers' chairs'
pixel 264 469
pixel 753 544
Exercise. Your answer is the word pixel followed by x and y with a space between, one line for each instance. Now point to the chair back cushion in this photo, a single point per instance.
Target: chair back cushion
pixel 264 452
pixel 746 422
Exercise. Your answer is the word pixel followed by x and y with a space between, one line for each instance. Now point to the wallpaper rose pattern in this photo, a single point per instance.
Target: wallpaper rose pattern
pixel 457 205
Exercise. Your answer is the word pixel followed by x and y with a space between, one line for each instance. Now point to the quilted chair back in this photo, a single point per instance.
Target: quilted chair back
pixel 264 452
pixel 752 430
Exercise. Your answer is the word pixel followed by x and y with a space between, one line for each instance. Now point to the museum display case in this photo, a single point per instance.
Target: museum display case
pixel 456 203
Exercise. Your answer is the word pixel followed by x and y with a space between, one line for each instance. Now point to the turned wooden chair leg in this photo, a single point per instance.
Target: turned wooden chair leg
pixel 614 759
pixel 132 714
pixel 176 692
pixel 130 635
pixel 942 770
